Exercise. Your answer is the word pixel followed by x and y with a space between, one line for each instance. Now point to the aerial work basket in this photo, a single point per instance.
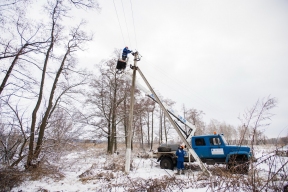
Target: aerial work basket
pixel 122 62
pixel 121 65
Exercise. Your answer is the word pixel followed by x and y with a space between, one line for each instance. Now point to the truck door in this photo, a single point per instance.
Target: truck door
pixel 216 147
pixel 201 148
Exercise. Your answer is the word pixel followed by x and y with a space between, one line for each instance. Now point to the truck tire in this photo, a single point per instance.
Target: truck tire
pixel 245 167
pixel 238 165
pixel 166 163
pixel 242 168
pixel 164 149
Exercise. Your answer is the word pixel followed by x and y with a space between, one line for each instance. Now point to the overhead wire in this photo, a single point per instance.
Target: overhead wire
pixel 182 88
pixel 134 28
pixel 126 22
pixel 201 98
pixel 161 71
pixel 134 24
pixel 119 22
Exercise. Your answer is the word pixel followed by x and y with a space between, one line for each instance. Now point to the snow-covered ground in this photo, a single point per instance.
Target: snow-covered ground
pixel 93 170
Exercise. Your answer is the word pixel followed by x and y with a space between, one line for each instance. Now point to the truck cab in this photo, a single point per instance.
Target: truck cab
pixel 214 148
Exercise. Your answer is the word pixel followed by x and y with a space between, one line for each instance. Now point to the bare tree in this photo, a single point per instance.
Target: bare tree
pixel 22 46
pixel 63 130
pixel 55 13
pixel 169 103
pixel 149 106
pixel 78 37
pixel 108 91
pixel 161 120
pixel 194 116
pixel 256 118
pixel 152 109
pixel 123 113
pixel 243 133
pixel 26 46
pixel 10 8
pixel 14 140
pixel 20 39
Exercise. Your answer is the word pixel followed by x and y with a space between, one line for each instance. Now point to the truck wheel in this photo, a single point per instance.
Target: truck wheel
pixel 243 167
pixel 164 149
pixel 238 167
pixel 238 164
pixel 231 166
pixel 166 163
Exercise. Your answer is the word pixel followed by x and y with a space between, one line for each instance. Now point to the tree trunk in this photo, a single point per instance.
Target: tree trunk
pixel 34 113
pixel 133 131
pixel 148 129
pixel 152 127
pixel 160 128
pixel 165 130
pixel 125 122
pixel 109 147
pixel 141 132
pixel 49 107
pixel 110 131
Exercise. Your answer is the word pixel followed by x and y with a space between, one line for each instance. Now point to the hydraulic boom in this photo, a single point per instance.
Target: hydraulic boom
pixel 176 127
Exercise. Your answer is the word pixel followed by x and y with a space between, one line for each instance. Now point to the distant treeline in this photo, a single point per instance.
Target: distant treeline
pixel 274 141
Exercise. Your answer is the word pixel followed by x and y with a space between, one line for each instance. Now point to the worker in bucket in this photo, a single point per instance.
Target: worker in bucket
pixel 180 153
pixel 125 52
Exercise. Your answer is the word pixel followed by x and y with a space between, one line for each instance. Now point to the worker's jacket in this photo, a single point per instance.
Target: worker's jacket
pixel 126 51
pixel 180 153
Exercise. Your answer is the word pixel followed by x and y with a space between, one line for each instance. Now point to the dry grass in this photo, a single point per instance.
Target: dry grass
pixel 101 175
pixel 44 171
pixel 10 178
pixel 108 173
pixel 116 164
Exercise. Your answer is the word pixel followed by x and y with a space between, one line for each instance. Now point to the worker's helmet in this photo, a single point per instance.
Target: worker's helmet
pixel 182 145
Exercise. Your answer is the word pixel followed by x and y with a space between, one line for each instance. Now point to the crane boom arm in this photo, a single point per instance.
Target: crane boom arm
pixel 191 128
pixel 191 150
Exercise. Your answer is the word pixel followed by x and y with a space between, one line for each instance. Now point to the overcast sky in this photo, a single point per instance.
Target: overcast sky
pixel 216 56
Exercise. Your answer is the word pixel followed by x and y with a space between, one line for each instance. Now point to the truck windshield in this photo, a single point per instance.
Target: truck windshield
pixel 224 140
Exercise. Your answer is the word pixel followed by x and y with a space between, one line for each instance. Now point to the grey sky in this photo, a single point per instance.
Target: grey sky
pixel 216 56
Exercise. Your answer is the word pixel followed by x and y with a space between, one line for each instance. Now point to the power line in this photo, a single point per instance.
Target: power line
pixel 133 24
pixel 180 85
pixel 119 22
pixel 126 22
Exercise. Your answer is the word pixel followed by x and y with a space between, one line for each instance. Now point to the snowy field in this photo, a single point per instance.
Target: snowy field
pixel 93 170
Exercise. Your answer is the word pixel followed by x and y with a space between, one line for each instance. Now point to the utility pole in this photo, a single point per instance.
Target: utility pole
pixel 130 123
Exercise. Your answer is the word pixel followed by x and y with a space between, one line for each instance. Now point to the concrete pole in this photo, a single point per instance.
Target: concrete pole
pixel 130 123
